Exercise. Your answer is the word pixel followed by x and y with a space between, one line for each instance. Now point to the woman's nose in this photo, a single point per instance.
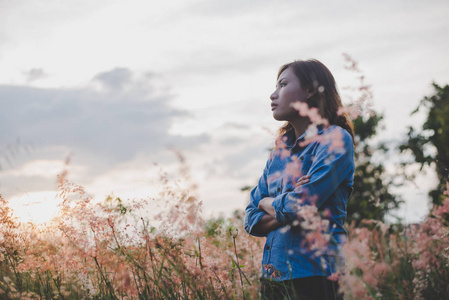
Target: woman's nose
pixel 273 96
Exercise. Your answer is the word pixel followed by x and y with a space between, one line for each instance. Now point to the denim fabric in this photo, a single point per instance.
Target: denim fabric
pixel 328 157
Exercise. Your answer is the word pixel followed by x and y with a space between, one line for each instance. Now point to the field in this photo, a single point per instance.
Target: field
pixel 110 250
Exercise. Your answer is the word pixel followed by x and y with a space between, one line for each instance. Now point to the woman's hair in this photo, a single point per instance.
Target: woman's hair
pixel 316 78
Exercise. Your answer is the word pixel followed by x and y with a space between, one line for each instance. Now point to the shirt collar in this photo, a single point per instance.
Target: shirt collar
pixel 312 130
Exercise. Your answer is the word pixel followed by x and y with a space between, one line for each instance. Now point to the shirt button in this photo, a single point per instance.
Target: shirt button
pixel 301 158
pixel 279 189
pixel 267 247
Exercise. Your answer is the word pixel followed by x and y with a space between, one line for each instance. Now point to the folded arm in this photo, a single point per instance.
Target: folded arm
pixel 259 222
pixel 268 221
pixel 265 225
pixel 328 170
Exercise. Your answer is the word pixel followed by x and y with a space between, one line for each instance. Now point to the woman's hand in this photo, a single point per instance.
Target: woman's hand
pixel 303 180
pixel 266 205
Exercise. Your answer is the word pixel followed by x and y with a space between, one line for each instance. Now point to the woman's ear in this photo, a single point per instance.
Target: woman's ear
pixel 310 92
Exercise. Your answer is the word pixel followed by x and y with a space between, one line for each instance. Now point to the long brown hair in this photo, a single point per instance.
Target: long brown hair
pixel 316 78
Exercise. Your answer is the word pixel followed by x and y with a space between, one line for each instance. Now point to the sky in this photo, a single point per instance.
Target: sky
pixel 120 86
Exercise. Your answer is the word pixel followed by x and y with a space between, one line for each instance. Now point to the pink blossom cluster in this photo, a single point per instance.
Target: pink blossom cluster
pixel 402 262
pixel 94 250
pixel 108 250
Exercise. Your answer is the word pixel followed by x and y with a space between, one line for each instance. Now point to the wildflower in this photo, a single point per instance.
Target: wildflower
pixel 271 270
pixel 381 269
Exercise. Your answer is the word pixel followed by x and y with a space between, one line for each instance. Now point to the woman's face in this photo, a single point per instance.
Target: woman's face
pixel 288 90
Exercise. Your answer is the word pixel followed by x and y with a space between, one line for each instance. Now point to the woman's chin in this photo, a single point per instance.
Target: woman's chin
pixel 277 117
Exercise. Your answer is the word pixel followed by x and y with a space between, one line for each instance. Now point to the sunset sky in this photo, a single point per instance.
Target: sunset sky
pixel 114 84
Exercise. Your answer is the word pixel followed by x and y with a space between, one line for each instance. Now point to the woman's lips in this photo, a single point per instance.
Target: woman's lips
pixel 273 106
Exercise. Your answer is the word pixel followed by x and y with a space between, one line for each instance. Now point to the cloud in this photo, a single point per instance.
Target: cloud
pixel 118 114
pixel 34 74
pixel 114 79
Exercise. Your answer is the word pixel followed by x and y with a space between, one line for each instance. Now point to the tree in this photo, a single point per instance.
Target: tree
pixel 371 198
pixel 430 145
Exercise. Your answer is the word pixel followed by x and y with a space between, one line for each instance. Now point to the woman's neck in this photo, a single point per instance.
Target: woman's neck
pixel 300 125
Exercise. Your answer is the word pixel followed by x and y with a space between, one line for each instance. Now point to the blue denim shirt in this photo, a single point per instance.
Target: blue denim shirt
pixel 328 158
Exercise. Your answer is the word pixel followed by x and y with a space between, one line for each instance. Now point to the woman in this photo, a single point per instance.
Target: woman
pixel 310 172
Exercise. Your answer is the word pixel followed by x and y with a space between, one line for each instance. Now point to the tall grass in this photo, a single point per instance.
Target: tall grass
pixel 400 261
pixel 109 251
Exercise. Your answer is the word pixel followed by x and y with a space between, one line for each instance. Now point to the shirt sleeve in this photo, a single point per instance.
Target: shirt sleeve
pixel 332 165
pixel 252 213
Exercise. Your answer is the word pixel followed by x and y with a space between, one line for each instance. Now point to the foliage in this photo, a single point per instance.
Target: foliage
pixel 109 251
pixel 430 146
pixel 371 198
pixel 400 262
pixel 104 257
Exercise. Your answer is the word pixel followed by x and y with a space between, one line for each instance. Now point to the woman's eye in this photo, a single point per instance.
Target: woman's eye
pixel 282 84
